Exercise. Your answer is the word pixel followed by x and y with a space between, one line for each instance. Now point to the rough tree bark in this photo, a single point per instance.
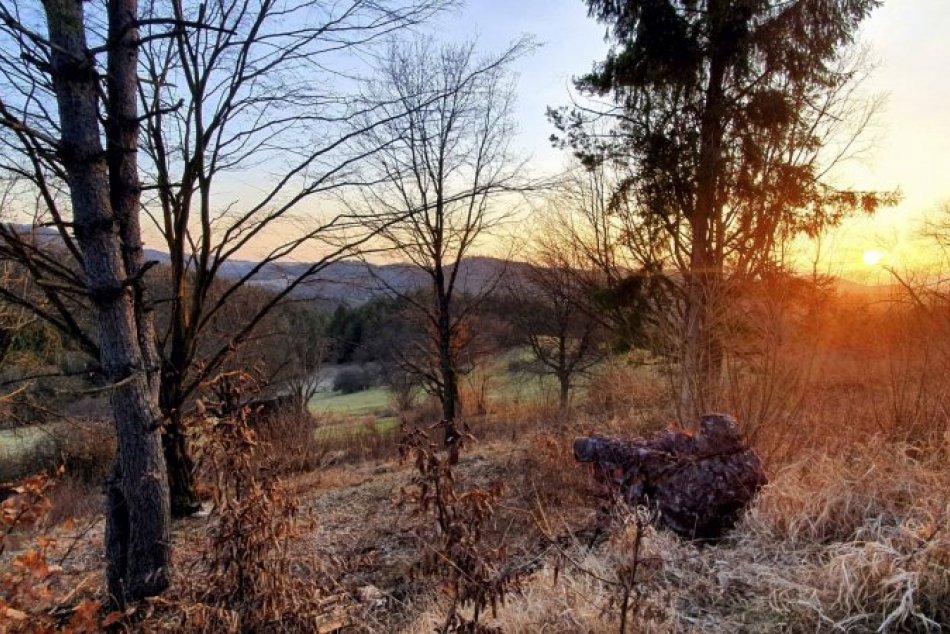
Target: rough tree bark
pixel 181 470
pixel 137 518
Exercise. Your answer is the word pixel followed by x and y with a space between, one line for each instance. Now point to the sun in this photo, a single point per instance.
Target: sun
pixel 872 258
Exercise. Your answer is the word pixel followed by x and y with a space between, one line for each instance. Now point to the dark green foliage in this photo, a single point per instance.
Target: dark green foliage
pixel 353 331
pixel 627 304
pixel 352 380
pixel 345 330
pixel 722 112
pixel 659 44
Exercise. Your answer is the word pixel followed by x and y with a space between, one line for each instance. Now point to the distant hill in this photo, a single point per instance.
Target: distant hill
pixel 868 292
pixel 348 282
pixel 353 283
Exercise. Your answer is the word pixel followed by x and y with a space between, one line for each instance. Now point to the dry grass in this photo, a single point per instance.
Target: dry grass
pixel 841 540
pixel 636 395
pixel 857 543
pixel 828 497
pixel 567 602
pixel 291 438
pixel 74 498
pixel 850 535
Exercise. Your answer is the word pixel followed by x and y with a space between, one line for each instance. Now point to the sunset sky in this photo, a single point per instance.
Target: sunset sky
pixel 907 40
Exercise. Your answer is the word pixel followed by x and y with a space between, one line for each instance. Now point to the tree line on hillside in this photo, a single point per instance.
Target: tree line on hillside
pixel 701 154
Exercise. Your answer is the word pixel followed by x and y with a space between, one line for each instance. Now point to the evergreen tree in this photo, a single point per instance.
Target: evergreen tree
pixel 725 117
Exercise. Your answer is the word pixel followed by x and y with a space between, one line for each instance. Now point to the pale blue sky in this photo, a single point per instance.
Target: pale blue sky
pixel 568 44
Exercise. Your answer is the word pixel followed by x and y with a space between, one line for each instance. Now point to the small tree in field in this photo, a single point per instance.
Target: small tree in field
pixel 551 313
pixel 614 266
pixel 446 162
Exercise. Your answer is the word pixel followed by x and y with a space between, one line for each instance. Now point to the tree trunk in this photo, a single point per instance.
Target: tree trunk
pixel 450 388
pixel 450 399
pixel 564 381
pixel 563 367
pixel 701 364
pixel 138 517
pixel 180 357
pixel 122 157
pixel 181 468
pixel 700 369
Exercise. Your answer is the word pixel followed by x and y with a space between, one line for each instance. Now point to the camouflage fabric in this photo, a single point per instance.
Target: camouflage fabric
pixel 700 483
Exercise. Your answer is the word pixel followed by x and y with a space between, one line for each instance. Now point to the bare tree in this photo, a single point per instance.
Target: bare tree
pixel 246 128
pixel 14 323
pixel 306 347
pixel 263 95
pixel 103 191
pixel 14 319
pixel 551 312
pixel 445 159
pixel 287 350
pixel 616 262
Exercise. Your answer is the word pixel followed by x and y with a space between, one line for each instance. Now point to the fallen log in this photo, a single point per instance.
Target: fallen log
pixel 699 483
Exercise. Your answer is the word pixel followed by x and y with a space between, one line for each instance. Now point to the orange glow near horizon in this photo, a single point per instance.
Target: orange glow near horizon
pixel 910 143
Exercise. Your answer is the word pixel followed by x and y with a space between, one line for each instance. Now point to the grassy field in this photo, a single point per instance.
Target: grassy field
pixel 352 412
pixel 358 412
pixel 373 402
pixel 335 431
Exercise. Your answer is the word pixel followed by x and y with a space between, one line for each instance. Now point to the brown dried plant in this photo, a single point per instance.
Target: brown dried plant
pixel 254 583
pixel 626 566
pixel 473 573
pixel 33 597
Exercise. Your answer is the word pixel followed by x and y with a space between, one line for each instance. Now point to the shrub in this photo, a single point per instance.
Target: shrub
pixel 88 451
pixel 253 583
pixel 351 380
pixel 74 498
pixel 471 573
pixel 292 441
pixel 404 390
pixel 629 393
pixel 84 450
